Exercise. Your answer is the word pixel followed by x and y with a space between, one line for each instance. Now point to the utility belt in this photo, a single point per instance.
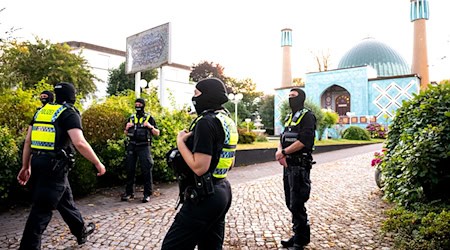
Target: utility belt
pixel 303 160
pixel 202 188
pixel 61 158
pixel 191 187
pixel 133 143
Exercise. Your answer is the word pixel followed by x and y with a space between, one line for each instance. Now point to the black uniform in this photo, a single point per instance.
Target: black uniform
pixel 139 145
pixel 51 188
pixel 296 177
pixel 201 221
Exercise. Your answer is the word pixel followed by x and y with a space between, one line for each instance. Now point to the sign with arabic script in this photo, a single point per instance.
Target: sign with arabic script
pixel 149 49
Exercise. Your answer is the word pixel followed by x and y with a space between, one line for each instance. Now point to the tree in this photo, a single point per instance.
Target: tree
pixel 207 69
pixel 29 63
pixel 266 111
pixel 322 59
pixel 329 119
pixel 251 98
pixel 119 81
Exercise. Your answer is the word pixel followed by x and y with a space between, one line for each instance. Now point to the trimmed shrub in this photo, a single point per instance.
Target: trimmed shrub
pixel 415 167
pixel 261 138
pixel 356 133
pixel 246 137
pixel 422 227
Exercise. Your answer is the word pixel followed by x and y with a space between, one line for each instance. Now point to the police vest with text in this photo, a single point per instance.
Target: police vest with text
pixel 138 134
pixel 44 133
pixel 228 151
pixel 291 128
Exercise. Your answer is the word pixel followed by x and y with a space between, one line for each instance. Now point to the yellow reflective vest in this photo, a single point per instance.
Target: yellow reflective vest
pixel 228 152
pixel 43 133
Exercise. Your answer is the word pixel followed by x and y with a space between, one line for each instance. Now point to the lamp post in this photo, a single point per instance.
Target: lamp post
pixel 248 120
pixel 235 99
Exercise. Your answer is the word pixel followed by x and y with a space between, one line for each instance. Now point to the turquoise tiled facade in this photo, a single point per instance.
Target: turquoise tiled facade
pixel 369 97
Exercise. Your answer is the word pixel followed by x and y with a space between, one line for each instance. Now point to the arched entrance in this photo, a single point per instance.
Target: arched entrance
pixel 336 98
pixel 342 104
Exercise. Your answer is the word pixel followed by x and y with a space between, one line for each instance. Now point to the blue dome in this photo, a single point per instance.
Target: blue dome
pixel 385 60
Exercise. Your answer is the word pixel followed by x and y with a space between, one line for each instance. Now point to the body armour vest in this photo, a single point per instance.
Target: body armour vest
pixel 228 151
pixel 44 133
pixel 138 133
pixel 291 128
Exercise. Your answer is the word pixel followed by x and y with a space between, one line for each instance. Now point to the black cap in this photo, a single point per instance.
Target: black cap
pixel 214 89
pixel 65 92
pixel 140 100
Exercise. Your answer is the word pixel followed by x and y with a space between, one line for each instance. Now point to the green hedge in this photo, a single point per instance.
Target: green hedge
pixel 9 162
pixel 103 125
pixel 415 167
pixel 356 133
pixel 420 227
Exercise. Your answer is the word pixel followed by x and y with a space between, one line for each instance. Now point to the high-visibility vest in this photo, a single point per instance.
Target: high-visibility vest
pixel 138 133
pixel 294 119
pixel 43 133
pixel 141 120
pixel 228 152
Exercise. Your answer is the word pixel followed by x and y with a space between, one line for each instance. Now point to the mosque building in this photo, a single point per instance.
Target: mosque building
pixel 371 79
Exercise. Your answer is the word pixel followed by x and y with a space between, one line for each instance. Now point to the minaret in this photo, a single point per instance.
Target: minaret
pixel 419 13
pixel 286 44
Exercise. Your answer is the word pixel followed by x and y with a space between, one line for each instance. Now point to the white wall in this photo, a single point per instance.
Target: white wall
pixel 175 92
pixel 100 63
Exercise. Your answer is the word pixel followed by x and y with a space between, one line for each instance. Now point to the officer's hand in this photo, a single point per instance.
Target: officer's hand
pixel 24 176
pixel 279 155
pixel 129 125
pixel 148 125
pixel 183 135
pixel 101 169
pixel 283 162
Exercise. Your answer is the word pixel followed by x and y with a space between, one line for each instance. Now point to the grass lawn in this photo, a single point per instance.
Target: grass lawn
pixel 274 143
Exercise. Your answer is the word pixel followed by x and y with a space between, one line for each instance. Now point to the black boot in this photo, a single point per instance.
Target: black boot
pixel 86 232
pixel 288 243
pixel 298 247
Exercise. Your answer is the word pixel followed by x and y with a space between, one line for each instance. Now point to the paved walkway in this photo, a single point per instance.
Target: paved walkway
pixel 345 211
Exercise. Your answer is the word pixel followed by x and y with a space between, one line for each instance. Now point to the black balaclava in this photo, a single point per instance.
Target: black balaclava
pixel 140 110
pixel 297 103
pixel 49 98
pixel 214 94
pixel 65 92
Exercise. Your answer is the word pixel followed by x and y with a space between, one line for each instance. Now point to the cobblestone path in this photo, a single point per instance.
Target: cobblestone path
pixel 345 212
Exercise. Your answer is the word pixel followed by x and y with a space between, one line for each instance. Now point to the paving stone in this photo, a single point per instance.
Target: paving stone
pixel 345 211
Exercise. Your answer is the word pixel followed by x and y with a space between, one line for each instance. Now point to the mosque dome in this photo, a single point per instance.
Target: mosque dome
pixel 385 60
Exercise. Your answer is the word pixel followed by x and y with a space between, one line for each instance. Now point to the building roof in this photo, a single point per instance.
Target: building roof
pixel 385 60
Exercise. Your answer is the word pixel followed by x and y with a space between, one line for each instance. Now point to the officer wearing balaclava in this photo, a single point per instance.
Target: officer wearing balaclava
pixel 294 153
pixel 46 97
pixel 208 149
pixel 48 154
pixel 140 129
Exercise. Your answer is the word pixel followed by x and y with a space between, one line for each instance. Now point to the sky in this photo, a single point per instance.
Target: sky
pixel 242 36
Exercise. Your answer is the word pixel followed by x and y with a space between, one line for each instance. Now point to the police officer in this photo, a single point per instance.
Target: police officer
pixel 208 149
pixel 46 97
pixel 140 129
pixel 294 153
pixel 48 154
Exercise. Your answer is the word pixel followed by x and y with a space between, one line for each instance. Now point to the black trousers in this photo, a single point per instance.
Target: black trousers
pixel 146 162
pixel 51 190
pixel 201 224
pixel 297 188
